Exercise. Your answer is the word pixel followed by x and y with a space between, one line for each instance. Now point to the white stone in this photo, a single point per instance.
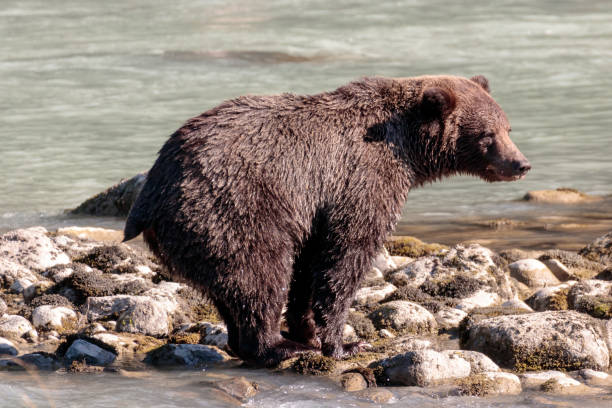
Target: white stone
pixel 383 261
pixel 424 368
pixel 401 315
pixel 505 383
pixel 535 379
pixel 402 261
pixel 386 334
pixel 516 304
pixel 481 298
pixel 81 350
pixel 373 274
pixel 32 248
pixel 479 362
pixel 373 294
pixel 532 273
pixel 449 318
pixel 348 334
pixel 14 325
pixel 53 317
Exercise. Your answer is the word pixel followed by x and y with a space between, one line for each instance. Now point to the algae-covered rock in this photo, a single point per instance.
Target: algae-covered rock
pixel 469 275
pixel 412 247
pixel 314 364
pixel 593 297
pixel 536 341
pixel 489 383
pixel 114 201
pixel 599 250
pixel 403 316
pixel 551 298
pixel 568 265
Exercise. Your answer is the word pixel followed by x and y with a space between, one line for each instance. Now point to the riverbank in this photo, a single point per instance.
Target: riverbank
pixel 444 322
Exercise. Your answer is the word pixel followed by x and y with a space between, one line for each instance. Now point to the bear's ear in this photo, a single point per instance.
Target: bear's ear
pixel 437 102
pixel 482 81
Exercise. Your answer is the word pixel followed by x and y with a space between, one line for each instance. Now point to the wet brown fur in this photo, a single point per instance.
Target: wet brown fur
pixel 267 201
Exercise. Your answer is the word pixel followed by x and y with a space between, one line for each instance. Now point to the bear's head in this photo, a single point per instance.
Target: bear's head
pixel 473 129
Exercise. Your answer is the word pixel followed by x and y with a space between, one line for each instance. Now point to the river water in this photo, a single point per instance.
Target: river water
pixel 89 90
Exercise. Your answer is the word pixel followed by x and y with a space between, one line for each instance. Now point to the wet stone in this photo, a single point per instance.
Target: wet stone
pixel 353 382
pixel 185 355
pixel 237 387
pixel 489 383
pixel 375 395
pixel 7 347
pixel 32 361
pixel 81 350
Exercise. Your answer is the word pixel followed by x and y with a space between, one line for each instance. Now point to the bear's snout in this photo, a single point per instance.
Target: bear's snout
pixel 521 167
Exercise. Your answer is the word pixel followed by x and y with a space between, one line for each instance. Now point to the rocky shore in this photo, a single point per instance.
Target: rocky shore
pixel 460 320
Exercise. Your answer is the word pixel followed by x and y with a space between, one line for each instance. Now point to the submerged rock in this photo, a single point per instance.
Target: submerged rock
pixel 115 201
pixel 353 382
pixel 489 383
pixel 560 340
pixel 422 368
pixel 237 387
pixel 32 361
pixel 560 196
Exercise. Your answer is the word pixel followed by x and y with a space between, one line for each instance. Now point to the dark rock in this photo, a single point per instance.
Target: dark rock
pixel 118 259
pixel 81 350
pixel 7 347
pixel 115 201
pixel 32 361
pixel 185 355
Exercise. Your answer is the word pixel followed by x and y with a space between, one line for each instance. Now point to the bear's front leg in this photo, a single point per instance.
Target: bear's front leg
pixel 335 286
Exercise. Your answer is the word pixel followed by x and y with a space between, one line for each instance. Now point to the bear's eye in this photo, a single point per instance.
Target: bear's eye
pixel 486 139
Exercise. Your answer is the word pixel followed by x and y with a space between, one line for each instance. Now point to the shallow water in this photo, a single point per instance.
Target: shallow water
pixel 192 389
pixel 90 90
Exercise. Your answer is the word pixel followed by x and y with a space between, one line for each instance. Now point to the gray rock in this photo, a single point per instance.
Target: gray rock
pixel 116 200
pixel 423 368
pixel 146 317
pixel 185 355
pixel 3 307
pixel 32 249
pixel 14 326
pixel 7 347
pixel 559 339
pixel 599 250
pixel 404 316
pixel 373 294
pixel 20 285
pixel 32 361
pixel 81 350
pixel 532 273
pixel 48 317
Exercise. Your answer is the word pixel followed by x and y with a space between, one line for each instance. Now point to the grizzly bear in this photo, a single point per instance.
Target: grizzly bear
pixel 272 201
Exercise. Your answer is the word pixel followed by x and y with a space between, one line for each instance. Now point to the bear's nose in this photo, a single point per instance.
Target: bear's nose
pixel 521 166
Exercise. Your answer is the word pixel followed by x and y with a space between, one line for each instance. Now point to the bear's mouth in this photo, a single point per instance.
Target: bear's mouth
pixel 493 174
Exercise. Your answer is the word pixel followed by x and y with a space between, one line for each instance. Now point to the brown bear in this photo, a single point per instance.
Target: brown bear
pixel 267 201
